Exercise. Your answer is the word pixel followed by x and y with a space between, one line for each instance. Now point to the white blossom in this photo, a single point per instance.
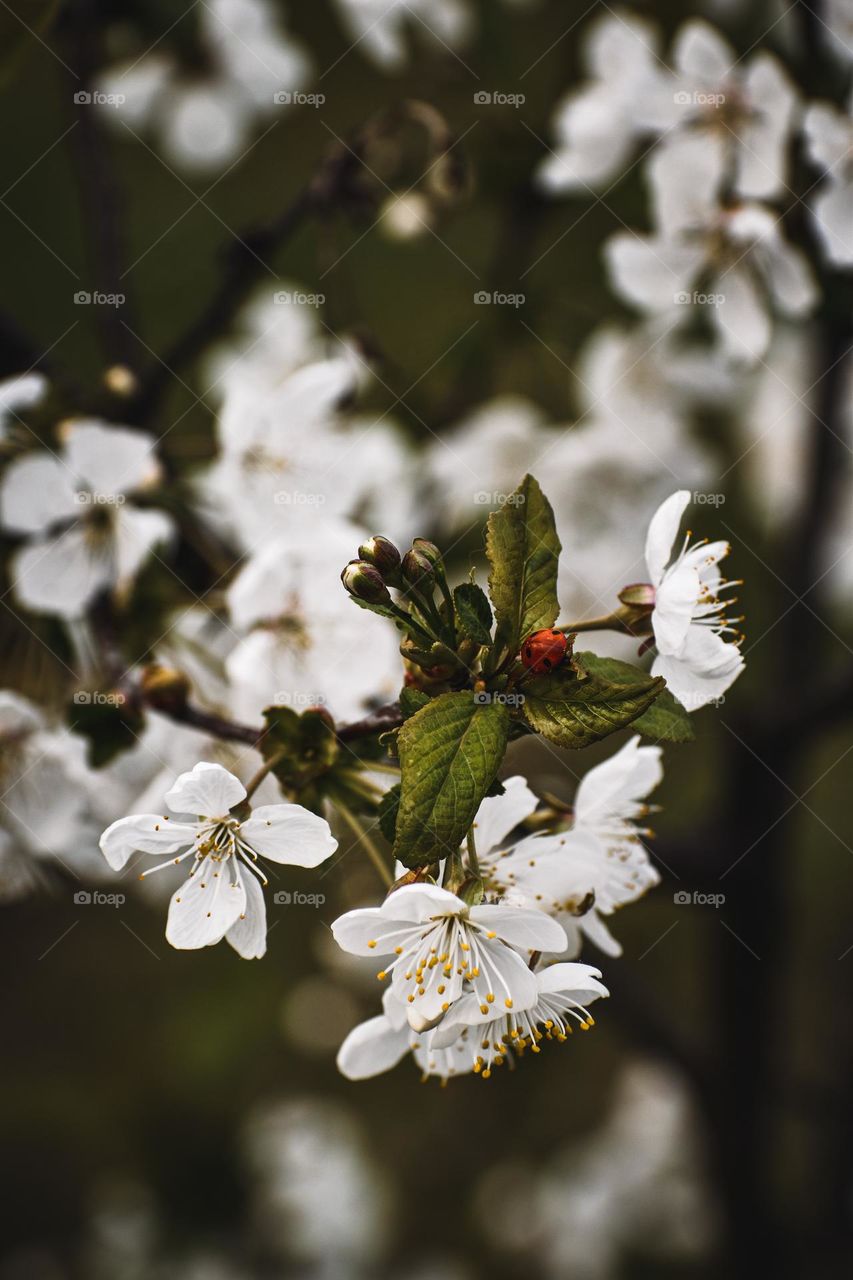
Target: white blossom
pixel 18 394
pixel 439 950
pixel 690 626
pixel 85 533
pixel 829 139
pixel 379 27
pixel 204 121
pixel 222 898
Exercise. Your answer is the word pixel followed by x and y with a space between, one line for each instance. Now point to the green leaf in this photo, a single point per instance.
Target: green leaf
pixel 450 751
pixel 665 721
pixel 474 612
pixel 523 550
pixel 575 710
pixel 383 610
pixel 411 700
pixel 388 806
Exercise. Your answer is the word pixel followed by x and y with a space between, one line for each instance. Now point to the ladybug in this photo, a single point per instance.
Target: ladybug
pixel 544 650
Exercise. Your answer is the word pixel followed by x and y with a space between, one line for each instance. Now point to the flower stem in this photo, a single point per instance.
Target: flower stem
pixel 364 839
pixel 267 767
pixel 473 860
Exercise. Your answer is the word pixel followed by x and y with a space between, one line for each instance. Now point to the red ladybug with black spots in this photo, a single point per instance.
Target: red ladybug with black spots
pixel 544 650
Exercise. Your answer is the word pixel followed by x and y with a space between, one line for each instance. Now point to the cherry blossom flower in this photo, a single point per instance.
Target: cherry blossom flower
pixel 737 118
pixel 463 1043
pixel 441 949
pixel 690 627
pixel 829 139
pixel 85 534
pixel 17 395
pixel 738 256
pixel 598 124
pixel 587 872
pixel 205 120
pixel 378 27
pixel 222 898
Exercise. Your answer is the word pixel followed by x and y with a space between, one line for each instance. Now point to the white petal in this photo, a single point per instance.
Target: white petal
pixel 578 980
pixel 354 931
pixel 620 782
pixel 593 927
pixel 371 1048
pixel 144 833
pixel 110 460
pixel 417 902
pixel 827 132
pixel 831 211
pixel 741 319
pixel 686 174
pixel 790 277
pixel 207 790
pixel 498 815
pixel 703 671
pixel 137 533
pixel 652 273
pixel 701 54
pixel 676 598
pixel 248 936
pixel 204 909
pixel 663 530
pixel 289 834
pixel 60 575
pixel 37 490
pixel 529 930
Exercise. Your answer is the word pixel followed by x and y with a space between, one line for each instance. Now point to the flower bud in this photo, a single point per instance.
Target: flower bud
pixel 418 569
pixel 383 555
pixel 430 551
pixel 639 594
pixel 164 688
pixel 365 582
